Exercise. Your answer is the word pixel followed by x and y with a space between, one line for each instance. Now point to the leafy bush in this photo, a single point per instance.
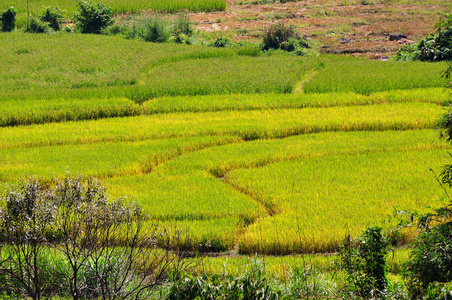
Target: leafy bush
pixel 154 30
pixel 221 42
pixel 431 258
pixel 183 25
pixel 439 291
pixel 92 17
pixel 8 19
pixel 53 16
pixel 249 286
pixel 284 37
pixel 38 26
pixel 434 47
pixel 365 264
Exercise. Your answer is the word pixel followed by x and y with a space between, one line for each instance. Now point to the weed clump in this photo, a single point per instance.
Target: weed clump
pixel 284 37
pixel 38 26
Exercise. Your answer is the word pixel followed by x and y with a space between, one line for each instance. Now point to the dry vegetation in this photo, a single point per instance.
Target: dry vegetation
pixel 367 23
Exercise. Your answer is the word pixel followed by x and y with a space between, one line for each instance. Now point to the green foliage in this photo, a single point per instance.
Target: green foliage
pixel 92 17
pixel 8 19
pixel 434 47
pixel 154 30
pixel 221 43
pixel 284 37
pixel 53 16
pixel 183 25
pixel 38 26
pixel 431 258
pixel 438 290
pixel 365 264
pixel 249 286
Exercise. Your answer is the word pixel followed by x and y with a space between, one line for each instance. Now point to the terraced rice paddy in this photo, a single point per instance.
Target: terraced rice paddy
pixel 249 155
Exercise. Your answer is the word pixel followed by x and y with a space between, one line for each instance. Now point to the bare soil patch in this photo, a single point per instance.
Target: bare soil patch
pixel 366 23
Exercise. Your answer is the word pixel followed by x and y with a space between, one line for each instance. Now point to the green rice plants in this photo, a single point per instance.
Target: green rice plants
pixel 349 74
pixel 15 113
pixel 92 17
pixel 8 18
pixel 248 286
pixel 299 227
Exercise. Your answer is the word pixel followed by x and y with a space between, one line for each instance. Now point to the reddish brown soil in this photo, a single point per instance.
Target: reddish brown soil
pixel 325 22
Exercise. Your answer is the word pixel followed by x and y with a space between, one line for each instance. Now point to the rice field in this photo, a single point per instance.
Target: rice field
pixel 247 155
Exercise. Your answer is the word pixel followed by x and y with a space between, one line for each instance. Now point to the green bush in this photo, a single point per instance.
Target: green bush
pixel 284 37
pixel 221 42
pixel 154 30
pixel 8 18
pixel 53 16
pixel 183 25
pixel 38 26
pixel 364 261
pixel 92 17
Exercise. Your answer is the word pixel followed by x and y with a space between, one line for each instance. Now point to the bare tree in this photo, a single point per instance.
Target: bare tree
pixel 25 224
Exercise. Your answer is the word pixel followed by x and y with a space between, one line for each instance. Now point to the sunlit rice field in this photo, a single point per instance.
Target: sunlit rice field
pixel 271 154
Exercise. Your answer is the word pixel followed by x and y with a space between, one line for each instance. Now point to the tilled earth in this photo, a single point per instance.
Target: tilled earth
pixel 359 28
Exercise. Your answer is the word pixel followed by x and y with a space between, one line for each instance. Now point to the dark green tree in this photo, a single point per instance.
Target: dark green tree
pixel 8 18
pixel 92 17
